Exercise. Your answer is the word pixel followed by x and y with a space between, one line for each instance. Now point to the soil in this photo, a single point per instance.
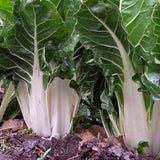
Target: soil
pixel 87 144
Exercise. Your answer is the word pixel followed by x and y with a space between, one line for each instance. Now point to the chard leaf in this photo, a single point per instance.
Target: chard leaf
pixel 151 81
pixel 6 7
pixel 137 17
pixel 6 18
pixel 67 8
pixel 28 39
pixel 151 78
pixel 141 19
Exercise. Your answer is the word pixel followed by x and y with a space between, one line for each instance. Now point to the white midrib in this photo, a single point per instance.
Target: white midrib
pixel 38 98
pixel 134 122
pixel 64 102
pixel 59 99
pixel 120 5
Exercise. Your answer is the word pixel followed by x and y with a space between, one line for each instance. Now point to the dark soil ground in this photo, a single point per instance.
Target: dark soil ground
pixel 86 145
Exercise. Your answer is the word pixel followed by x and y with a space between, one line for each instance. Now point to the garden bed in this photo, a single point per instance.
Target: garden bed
pixel 90 144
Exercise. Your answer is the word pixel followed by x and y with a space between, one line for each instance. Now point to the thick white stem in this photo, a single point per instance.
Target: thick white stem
pixel 133 117
pixel 23 100
pixel 63 102
pixel 155 129
pixel 134 121
pixel 39 112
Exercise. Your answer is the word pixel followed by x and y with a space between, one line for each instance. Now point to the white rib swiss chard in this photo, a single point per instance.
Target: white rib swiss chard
pixel 101 30
pixel 36 51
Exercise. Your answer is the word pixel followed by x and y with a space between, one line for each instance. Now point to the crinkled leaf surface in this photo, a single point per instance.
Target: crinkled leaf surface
pixel 33 30
pixel 6 7
pixel 67 8
pixel 151 78
pixel 141 19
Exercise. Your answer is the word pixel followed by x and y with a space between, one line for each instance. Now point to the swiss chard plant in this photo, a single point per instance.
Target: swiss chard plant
pixel 123 39
pixel 37 42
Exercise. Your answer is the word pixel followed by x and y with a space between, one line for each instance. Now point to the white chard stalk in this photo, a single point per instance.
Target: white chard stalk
pixel 47 110
pixel 23 100
pixel 133 110
pixel 50 112
pixel 64 102
pixel 155 129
